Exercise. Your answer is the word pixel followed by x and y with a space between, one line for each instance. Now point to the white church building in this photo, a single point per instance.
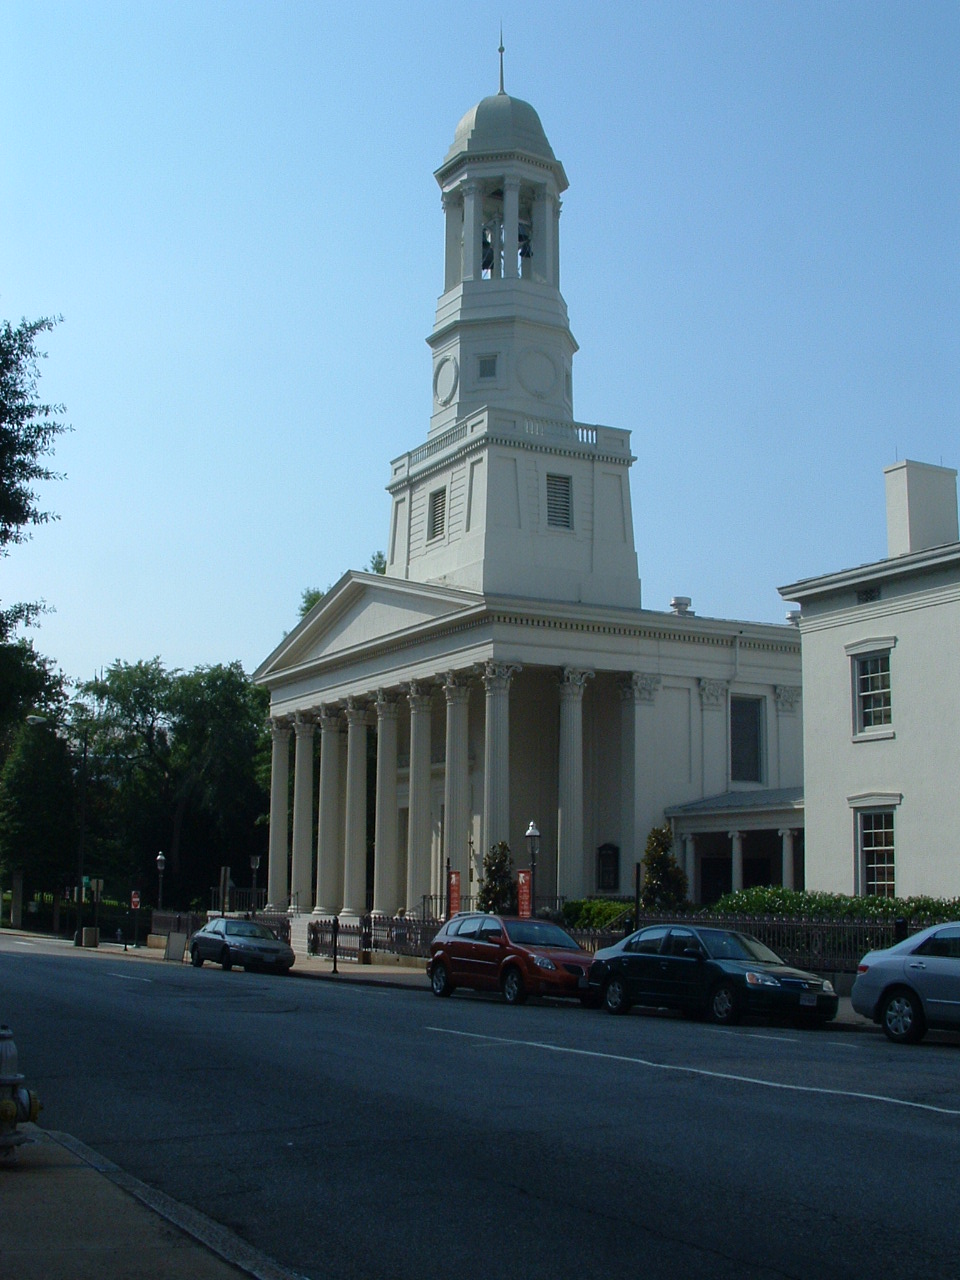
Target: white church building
pixel 503 670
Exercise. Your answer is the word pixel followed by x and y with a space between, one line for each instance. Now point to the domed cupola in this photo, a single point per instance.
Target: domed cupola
pixel 502 337
pixel 501 126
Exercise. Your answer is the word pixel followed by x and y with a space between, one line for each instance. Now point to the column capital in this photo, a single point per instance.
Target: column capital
pixel 734 835
pixel 712 692
pixel 639 686
pixel 279 727
pixel 356 712
pixel 786 831
pixel 329 718
pixel 304 724
pixel 387 706
pixel 497 675
pixel 787 696
pixel 456 686
pixel 573 682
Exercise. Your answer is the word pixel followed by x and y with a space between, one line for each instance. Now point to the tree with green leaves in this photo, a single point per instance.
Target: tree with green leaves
pixel 498 888
pixel 176 764
pixel 664 885
pixel 28 431
pixel 38 830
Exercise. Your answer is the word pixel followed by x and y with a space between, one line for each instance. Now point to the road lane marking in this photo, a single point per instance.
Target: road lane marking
pixel 702 1071
pixel 126 977
pixel 756 1035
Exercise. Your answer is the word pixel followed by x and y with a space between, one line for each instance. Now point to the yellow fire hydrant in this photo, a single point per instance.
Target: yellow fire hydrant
pixel 16 1103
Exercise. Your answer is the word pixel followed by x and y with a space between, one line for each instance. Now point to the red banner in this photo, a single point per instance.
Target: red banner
pixel 135 900
pixel 523 893
pixel 454 892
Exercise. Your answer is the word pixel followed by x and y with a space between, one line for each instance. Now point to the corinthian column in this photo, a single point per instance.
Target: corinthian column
pixel 355 851
pixel 386 896
pixel 496 754
pixel 277 882
pixel 418 811
pixel 301 869
pixel 570 791
pixel 329 826
pixel 456 785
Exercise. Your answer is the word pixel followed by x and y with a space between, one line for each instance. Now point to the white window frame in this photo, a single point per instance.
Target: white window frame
pixel 877 858
pixel 872 690
pixel 870 804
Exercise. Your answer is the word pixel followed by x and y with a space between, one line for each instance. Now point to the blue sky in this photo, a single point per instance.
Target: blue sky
pixel 233 207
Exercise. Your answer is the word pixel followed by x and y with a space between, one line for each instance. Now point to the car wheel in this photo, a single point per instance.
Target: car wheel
pixel 440 980
pixel 901 1017
pixel 615 995
pixel 724 1007
pixel 514 992
pixel 196 959
pixel 226 964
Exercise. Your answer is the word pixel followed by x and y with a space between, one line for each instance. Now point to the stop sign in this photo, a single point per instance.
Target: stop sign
pixel 135 900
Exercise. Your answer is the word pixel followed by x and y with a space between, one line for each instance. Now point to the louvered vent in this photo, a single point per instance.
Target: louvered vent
pixel 559 502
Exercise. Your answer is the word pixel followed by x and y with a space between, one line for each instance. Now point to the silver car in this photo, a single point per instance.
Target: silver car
pixel 245 942
pixel 912 986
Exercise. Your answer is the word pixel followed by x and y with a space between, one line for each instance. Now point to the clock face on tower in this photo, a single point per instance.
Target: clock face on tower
pixel 446 378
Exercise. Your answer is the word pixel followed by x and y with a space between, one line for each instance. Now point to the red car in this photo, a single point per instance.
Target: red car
pixel 520 957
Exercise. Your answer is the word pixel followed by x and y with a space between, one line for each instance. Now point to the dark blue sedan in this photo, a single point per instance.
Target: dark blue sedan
pixel 719 974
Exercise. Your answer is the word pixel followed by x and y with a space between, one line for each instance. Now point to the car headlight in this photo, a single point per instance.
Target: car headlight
pixel 828 987
pixel 761 979
pixel 543 962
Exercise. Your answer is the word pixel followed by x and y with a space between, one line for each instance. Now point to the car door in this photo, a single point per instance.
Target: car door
pixel 680 971
pixel 934 969
pixel 488 952
pixel 638 962
pixel 461 947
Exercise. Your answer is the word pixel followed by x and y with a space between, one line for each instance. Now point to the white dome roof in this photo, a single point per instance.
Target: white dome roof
pixel 497 124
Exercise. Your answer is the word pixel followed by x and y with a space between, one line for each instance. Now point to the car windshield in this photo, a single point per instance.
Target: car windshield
pixel 247 929
pixel 721 944
pixel 539 933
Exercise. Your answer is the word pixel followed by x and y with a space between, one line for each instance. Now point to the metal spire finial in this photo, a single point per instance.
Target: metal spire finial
pixel 501 57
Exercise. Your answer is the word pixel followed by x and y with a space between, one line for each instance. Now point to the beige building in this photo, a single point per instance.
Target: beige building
pixel 503 670
pixel 881 684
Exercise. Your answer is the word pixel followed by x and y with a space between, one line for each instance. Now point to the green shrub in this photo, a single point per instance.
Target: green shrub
pixel 594 913
pixel 776 901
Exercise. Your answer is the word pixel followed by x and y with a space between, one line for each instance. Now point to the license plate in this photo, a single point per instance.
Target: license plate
pixel 808 999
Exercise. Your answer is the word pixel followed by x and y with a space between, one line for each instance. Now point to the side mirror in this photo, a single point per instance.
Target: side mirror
pixel 693 953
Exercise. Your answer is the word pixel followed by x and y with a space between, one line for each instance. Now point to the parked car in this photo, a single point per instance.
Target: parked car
pixel 244 942
pixel 720 974
pixel 520 957
pixel 913 985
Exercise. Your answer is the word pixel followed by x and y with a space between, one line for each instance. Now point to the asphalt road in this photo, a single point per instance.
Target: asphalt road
pixel 370 1133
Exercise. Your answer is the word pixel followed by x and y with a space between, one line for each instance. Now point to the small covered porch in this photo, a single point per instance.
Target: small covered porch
pixel 739 840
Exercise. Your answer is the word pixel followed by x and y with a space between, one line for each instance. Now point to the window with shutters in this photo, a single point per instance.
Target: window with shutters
pixel 560 502
pixel 436 515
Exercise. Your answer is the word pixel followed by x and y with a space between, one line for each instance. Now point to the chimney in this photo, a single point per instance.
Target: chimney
pixel 921 507
pixel 680 605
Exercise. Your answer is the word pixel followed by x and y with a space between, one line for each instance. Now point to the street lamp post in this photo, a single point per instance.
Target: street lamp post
pixel 161 863
pixel 254 864
pixel 532 838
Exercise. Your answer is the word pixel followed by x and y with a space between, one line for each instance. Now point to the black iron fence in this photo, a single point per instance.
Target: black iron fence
pixel 823 946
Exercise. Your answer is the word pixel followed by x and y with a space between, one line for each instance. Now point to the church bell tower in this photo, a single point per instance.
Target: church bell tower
pixel 509 494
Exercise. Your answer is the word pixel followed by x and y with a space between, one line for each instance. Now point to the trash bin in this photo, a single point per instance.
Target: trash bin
pixel 91 937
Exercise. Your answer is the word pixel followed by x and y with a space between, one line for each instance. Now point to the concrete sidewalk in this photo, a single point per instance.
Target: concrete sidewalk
pixel 67 1211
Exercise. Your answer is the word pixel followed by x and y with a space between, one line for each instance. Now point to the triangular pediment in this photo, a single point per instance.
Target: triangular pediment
pixel 360 612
